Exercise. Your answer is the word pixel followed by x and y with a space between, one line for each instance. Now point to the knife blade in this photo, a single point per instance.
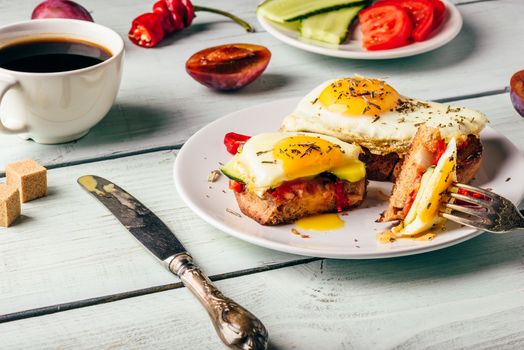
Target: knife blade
pixel 237 327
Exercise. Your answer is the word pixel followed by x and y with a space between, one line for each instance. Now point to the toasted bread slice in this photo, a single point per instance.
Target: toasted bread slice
pixel 300 198
pixel 386 167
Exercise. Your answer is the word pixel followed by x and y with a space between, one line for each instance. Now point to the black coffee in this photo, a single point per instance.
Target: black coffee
pixel 51 55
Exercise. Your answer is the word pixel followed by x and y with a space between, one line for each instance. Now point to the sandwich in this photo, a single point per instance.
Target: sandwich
pixel 425 152
pixel 278 178
pixel 372 114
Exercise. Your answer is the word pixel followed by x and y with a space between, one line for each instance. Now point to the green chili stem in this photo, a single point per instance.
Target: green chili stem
pixel 238 20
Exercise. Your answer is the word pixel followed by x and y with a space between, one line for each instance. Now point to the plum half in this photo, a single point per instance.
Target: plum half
pixel 517 92
pixel 228 67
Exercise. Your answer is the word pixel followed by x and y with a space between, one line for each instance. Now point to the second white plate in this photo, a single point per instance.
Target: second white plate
pixel 352 48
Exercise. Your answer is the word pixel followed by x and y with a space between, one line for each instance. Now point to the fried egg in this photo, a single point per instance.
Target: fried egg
pixel 371 113
pixel 267 160
pixel 424 212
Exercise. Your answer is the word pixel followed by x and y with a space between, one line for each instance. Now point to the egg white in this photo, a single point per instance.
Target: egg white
pixel 260 170
pixel 392 131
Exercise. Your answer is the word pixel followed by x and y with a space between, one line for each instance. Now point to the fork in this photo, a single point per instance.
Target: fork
pixel 490 212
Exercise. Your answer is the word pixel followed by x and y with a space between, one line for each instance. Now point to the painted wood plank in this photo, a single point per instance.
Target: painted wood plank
pixel 469 296
pixel 67 247
pixel 160 106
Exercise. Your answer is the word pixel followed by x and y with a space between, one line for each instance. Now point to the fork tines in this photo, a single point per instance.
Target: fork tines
pixel 477 210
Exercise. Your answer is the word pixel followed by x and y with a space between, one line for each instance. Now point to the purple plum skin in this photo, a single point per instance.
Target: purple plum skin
pixel 61 9
pixel 517 92
pixel 518 103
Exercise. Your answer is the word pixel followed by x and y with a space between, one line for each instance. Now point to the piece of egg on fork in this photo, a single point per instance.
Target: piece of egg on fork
pixel 424 212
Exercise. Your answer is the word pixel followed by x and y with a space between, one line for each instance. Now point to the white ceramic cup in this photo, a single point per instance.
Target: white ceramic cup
pixel 59 107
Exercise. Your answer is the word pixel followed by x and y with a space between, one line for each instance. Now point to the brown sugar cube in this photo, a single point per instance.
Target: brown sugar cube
pixel 30 178
pixel 9 204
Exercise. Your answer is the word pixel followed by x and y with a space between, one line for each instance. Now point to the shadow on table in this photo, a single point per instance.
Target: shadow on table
pixel 488 251
pixel 132 121
pixel 267 82
pixel 187 32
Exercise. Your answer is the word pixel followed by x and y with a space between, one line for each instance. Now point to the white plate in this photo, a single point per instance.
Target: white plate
pixel 357 240
pixel 352 48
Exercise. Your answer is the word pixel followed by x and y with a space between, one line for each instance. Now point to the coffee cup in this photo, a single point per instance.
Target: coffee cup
pixel 56 94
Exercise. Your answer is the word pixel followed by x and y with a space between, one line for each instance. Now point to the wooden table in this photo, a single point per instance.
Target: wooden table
pixel 72 278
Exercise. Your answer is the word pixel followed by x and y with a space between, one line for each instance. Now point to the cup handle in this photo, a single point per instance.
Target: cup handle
pixel 7 82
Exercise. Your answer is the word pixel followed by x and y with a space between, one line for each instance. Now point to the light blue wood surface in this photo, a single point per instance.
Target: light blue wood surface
pixel 68 251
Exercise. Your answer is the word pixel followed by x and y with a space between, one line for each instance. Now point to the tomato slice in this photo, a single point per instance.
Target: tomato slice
pixel 438 15
pixel 421 13
pixel 384 26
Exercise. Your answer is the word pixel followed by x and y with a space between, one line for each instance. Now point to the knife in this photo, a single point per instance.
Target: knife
pixel 237 327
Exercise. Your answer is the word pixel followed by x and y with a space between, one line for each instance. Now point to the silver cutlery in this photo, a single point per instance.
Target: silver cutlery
pixel 237 327
pixel 485 211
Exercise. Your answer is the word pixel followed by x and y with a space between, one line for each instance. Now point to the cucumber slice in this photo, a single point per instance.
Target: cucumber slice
pixel 231 171
pixel 330 27
pixel 293 10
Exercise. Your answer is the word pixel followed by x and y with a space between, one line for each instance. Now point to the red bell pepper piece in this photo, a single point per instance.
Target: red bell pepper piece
pixel 441 148
pixel 146 30
pixel 472 194
pixel 412 197
pixel 236 186
pixel 233 141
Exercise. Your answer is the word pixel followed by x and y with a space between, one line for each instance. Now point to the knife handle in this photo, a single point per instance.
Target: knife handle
pixel 237 327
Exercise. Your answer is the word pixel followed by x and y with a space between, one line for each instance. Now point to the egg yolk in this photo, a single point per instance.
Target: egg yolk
pixel 304 156
pixel 359 96
pixel 321 222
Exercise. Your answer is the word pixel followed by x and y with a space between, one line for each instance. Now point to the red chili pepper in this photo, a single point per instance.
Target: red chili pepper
pixel 178 13
pixel 341 199
pixel 170 16
pixel 441 148
pixel 168 23
pixel 236 186
pixel 146 30
pixel 190 12
pixel 233 141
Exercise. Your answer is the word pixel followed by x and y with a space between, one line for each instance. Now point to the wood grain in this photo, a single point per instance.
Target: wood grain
pixel 159 106
pixel 69 252
pixel 469 296
pixel 68 247
pixel 67 241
